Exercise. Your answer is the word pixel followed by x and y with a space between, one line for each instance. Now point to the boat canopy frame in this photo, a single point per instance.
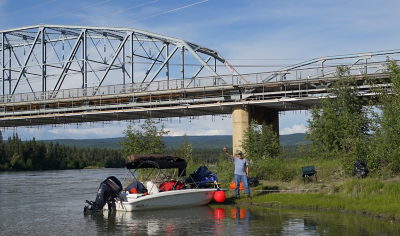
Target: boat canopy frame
pixel 158 163
pixel 155 162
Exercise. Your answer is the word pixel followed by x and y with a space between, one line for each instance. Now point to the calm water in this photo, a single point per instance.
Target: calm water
pixel 51 203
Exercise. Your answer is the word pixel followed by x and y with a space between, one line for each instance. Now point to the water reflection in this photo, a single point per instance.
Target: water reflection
pixel 310 225
pixel 237 221
pixel 185 221
pixel 219 213
pixel 159 222
pixel 242 217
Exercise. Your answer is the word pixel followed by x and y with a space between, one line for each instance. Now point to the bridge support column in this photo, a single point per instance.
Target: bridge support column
pixel 242 116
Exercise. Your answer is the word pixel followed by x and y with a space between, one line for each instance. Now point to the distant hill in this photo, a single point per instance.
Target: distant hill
pixel 293 139
pixel 173 142
pixel 96 143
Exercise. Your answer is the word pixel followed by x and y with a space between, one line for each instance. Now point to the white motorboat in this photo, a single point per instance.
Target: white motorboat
pixel 168 199
pixel 147 195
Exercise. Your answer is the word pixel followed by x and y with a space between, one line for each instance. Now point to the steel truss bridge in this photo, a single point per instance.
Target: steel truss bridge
pixel 59 74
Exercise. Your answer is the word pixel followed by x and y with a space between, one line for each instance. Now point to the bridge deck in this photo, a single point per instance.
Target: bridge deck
pixel 187 102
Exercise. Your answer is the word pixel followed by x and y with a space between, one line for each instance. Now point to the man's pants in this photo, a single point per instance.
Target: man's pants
pixel 242 178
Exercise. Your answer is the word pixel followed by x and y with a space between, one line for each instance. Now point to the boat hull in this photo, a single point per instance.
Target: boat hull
pixel 168 199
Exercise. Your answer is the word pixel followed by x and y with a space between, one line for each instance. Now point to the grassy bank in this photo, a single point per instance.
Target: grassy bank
pixel 361 196
pixel 376 195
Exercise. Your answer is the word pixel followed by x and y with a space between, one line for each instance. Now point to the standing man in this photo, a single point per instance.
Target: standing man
pixel 241 172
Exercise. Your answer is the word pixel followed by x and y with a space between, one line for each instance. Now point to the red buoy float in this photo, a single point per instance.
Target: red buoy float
pixel 219 196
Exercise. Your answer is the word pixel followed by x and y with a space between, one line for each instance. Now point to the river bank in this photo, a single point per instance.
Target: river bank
pixel 371 197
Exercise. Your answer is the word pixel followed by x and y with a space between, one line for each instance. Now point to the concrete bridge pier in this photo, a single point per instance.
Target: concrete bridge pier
pixel 242 116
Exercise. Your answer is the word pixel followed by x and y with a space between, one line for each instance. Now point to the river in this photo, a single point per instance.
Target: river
pixel 51 203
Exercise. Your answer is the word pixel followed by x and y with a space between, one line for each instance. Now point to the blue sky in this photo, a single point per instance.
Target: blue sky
pixel 272 34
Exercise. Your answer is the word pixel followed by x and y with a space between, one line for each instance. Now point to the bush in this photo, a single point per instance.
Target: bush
pixel 272 169
pixel 225 170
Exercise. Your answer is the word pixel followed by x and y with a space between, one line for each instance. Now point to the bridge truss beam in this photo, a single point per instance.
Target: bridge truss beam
pixel 97 56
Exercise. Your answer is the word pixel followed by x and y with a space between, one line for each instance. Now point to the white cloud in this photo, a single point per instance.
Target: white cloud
pixel 201 132
pixel 293 130
pixel 205 125
pixel 83 132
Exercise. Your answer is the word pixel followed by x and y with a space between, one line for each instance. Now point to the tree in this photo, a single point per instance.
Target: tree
pixel 146 140
pixel 339 128
pixel 385 148
pixel 3 158
pixel 260 142
pixel 185 149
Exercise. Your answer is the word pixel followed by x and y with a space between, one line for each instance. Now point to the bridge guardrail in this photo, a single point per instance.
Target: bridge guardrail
pixel 302 75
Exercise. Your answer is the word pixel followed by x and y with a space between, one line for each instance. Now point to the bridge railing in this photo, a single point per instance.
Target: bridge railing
pixel 299 74
pixel 123 89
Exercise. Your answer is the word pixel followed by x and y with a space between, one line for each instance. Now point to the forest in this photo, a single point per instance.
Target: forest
pixel 17 155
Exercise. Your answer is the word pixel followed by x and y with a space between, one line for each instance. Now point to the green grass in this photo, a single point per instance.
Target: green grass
pixel 362 196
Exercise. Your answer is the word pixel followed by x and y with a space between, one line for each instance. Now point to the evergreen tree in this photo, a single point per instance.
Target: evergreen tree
pixel 185 149
pixel 33 155
pixel 260 142
pixel 3 158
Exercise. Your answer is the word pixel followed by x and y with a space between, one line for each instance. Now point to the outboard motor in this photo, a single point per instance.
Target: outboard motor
pixel 109 190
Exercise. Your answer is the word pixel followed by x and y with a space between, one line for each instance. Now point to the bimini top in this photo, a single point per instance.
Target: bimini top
pixel 158 161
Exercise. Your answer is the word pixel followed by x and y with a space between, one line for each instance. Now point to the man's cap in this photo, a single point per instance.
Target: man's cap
pixel 239 152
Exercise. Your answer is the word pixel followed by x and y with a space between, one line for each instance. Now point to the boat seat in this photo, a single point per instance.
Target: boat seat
pixel 151 187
